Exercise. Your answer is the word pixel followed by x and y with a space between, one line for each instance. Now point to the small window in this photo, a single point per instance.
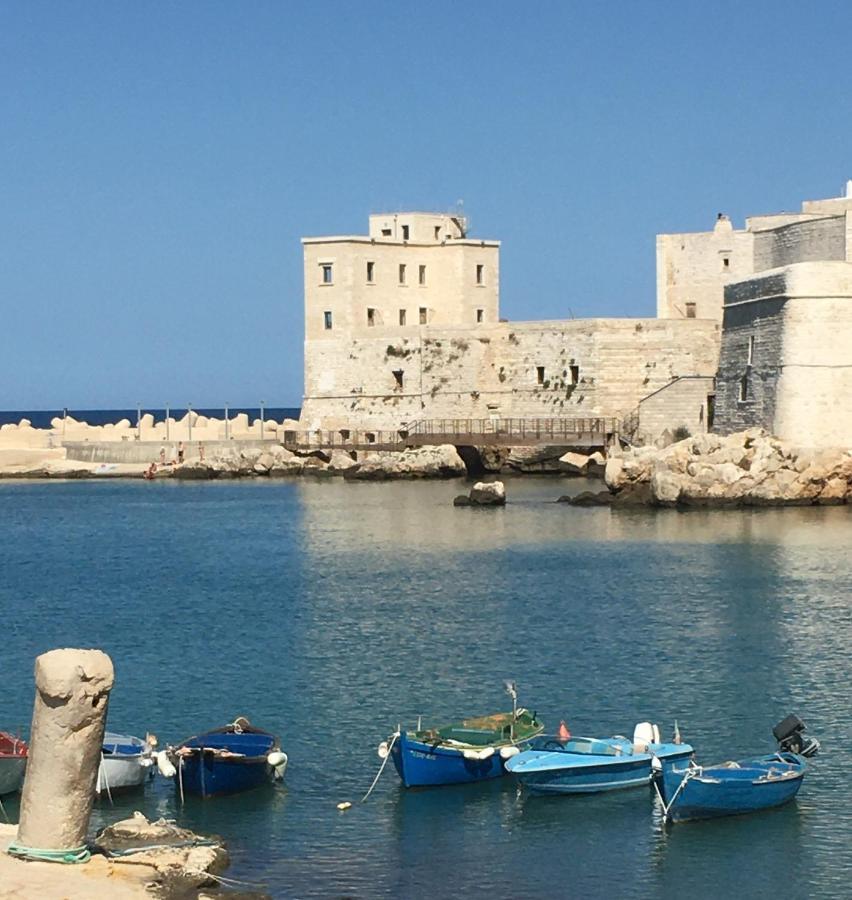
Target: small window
pixel 405 232
pixel 397 374
pixel 750 350
pixel 386 232
pixel 437 232
pixel 743 389
pixel 575 374
pixel 327 319
pixel 726 262
pixel 480 315
pixel 480 274
pixel 402 317
pixel 327 273
pixel 371 316
pixel 371 272
pixel 421 275
pixel 540 374
pixel 402 273
pixel 690 310
pixel 423 315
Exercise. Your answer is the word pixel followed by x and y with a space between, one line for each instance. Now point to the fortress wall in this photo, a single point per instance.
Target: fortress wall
pixel 817 239
pixel 680 404
pixel 590 367
pixel 799 383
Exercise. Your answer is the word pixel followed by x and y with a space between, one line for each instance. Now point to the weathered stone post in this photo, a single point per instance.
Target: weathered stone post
pixel 72 691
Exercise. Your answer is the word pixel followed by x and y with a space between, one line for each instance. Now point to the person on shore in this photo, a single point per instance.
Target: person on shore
pixel 180 452
pixel 163 455
pixel 201 452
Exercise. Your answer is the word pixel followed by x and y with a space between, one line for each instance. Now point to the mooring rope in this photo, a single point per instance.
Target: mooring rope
pixel 102 771
pixel 180 778
pixel 381 767
pixel 666 808
pixel 3 810
pixel 70 856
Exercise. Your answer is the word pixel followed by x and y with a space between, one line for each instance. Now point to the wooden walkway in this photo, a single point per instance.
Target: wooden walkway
pixel 555 432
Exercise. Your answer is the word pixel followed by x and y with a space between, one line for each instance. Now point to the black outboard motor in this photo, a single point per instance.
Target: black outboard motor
pixel 790 734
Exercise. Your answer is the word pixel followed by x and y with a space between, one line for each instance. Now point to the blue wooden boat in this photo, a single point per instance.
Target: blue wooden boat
pixel 474 749
pixel 584 765
pixel 689 791
pixel 227 760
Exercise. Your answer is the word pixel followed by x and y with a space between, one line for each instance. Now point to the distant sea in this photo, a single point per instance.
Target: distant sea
pixel 41 418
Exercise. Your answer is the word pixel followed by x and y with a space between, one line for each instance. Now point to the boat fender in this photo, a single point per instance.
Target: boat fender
pixel 383 750
pixel 509 752
pixel 165 765
pixel 277 758
pixel 344 805
pixel 656 765
pixel 470 754
pixel 487 753
pixel 146 761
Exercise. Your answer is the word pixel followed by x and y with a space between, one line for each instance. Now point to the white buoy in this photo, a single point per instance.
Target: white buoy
pixel 383 750
pixel 508 752
pixel 278 760
pixel 343 806
pixel 164 764
pixel 487 753
pixel 470 754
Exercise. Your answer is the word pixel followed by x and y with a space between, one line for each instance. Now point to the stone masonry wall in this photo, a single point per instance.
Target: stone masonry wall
pixel 589 367
pixel 818 239
pixel 681 404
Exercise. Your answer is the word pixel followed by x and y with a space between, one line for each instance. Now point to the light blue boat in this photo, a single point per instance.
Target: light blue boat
pixel 584 765
pixel 689 792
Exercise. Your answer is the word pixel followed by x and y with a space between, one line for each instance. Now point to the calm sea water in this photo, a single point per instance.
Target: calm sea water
pixel 329 612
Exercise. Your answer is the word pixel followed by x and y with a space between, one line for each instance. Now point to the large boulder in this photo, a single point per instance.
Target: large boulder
pixel 588 498
pixel 488 493
pixel 574 463
pixel 339 462
pixel 665 487
pixel 441 461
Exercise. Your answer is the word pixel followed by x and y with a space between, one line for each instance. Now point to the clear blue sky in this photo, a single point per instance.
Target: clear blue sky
pixel 160 161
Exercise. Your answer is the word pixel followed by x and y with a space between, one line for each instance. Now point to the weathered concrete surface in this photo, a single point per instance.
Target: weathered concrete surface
pixel 72 693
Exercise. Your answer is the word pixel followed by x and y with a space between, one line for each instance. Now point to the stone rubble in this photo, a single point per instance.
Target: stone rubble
pixel 483 493
pixel 749 468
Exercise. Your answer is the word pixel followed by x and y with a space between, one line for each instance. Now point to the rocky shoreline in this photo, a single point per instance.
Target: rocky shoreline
pixel 747 469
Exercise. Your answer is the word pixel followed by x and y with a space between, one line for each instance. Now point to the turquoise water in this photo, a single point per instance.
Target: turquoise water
pixel 328 612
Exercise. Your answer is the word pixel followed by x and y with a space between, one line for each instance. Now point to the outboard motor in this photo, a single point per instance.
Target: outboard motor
pixel 790 734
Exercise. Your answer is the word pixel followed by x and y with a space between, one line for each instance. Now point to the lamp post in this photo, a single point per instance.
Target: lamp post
pixel 189 420
pixel 262 404
pixel 227 427
pixel 138 421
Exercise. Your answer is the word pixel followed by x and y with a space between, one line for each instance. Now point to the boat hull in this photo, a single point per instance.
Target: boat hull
pixel 580 766
pixel 752 786
pixel 116 774
pixel 207 775
pixel 420 765
pixel 12 770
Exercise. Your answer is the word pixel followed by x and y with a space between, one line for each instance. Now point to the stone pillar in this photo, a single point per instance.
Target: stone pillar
pixel 69 716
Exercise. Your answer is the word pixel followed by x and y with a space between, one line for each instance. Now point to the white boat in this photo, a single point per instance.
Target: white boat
pixel 13 762
pixel 125 763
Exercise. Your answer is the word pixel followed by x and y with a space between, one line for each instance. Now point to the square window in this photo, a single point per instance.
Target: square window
pixel 397 374
pixel 423 315
pixel 726 262
pixel 480 274
pixel 386 232
pixel 327 273
pixel 405 232
pixel 540 374
pixel 371 316
pixel 402 273
pixel 421 275
pixel 371 272
pixel 690 310
pixel 480 315
pixel 327 319
pixel 402 317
